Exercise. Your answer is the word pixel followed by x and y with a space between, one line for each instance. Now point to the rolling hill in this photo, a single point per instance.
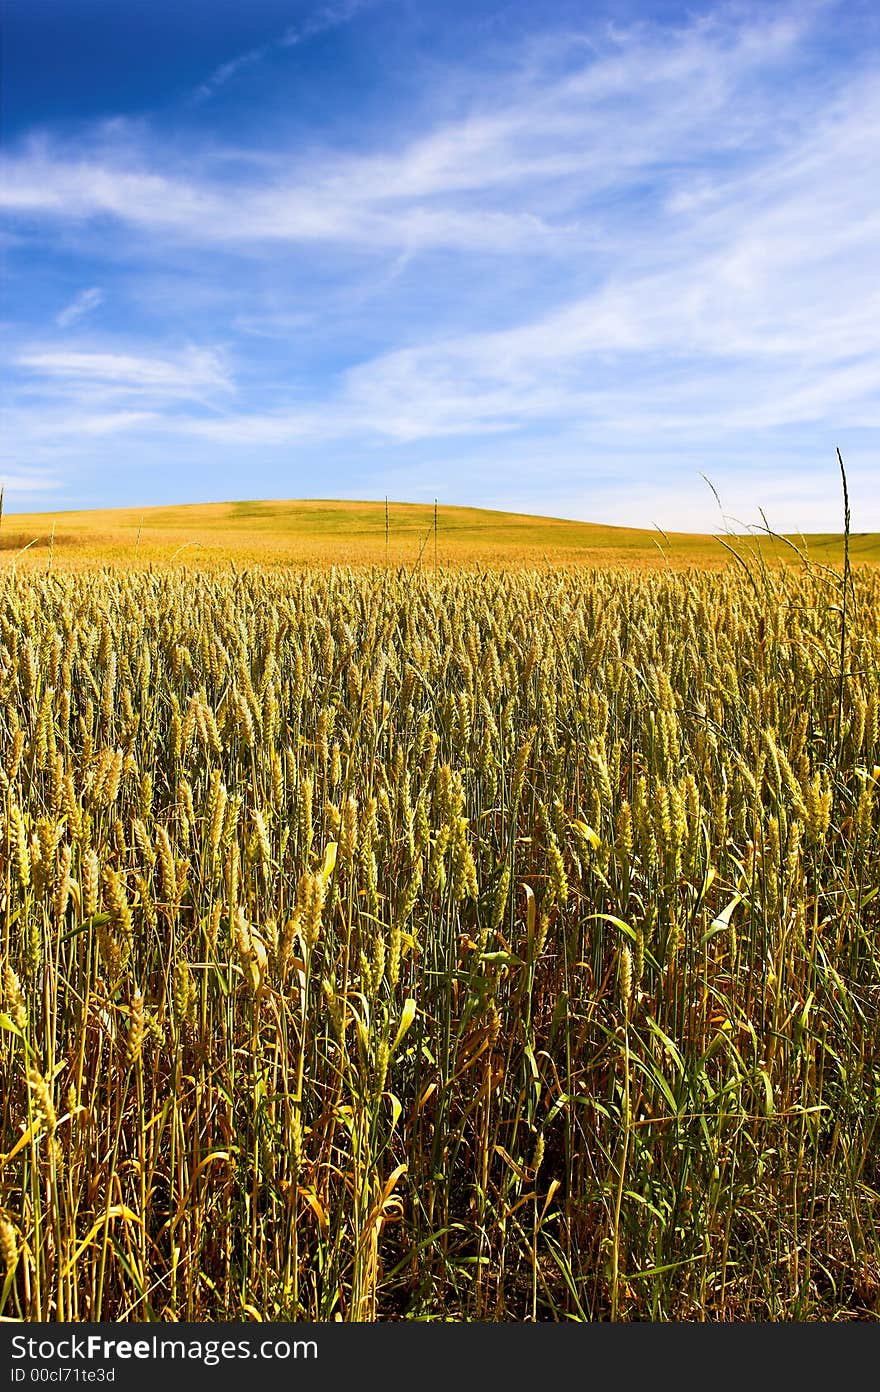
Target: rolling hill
pixel 323 532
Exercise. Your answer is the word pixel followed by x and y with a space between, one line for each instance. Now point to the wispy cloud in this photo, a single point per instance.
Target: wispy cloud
pixel 358 204
pixel 26 482
pixel 81 305
pixel 187 374
pixel 328 17
pixel 56 425
pixel 226 71
pixel 65 400
pixel 532 162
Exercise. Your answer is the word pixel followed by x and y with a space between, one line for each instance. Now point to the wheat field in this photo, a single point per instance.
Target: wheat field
pixel 391 943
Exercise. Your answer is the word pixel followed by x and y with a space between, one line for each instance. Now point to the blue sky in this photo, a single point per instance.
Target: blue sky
pixel 562 258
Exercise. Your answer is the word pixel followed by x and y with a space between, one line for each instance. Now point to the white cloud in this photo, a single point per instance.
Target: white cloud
pixel 94 424
pixel 80 305
pixel 313 208
pixel 531 163
pixel 25 481
pixel 254 429
pixel 188 374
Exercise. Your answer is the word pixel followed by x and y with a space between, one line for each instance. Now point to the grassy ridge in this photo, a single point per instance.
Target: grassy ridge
pixel 380 944
pixel 324 532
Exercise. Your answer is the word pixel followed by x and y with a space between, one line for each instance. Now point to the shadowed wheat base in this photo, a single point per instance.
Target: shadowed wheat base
pixel 400 945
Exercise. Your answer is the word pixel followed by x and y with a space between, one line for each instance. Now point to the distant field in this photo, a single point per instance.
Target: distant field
pixel 318 532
